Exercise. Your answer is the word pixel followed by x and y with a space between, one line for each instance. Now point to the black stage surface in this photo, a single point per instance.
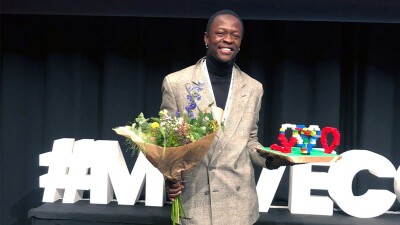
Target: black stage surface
pixel 83 213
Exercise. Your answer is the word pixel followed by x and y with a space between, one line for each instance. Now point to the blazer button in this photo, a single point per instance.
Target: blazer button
pixel 206 193
pixel 237 188
pixel 210 168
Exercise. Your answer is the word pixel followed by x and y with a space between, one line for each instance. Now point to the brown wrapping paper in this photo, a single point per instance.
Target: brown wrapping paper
pixel 172 161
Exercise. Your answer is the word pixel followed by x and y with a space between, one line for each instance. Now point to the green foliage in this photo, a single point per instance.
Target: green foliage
pixel 172 131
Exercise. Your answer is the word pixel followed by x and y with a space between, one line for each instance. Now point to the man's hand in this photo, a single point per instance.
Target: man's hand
pixel 174 189
pixel 276 162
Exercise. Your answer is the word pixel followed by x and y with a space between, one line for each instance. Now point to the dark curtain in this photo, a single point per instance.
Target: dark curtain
pixel 374 11
pixel 80 76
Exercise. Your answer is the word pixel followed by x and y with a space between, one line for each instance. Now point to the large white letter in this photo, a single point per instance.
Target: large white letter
pixel 302 181
pixel 267 185
pixel 397 184
pixel 374 202
pixel 127 187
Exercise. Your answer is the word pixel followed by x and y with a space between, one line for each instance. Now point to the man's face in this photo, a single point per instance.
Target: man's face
pixel 224 37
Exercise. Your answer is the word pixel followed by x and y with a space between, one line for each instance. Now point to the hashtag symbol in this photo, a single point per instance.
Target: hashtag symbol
pixel 68 167
pixel 57 161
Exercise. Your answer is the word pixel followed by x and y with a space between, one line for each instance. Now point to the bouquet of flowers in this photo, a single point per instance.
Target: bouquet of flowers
pixel 174 144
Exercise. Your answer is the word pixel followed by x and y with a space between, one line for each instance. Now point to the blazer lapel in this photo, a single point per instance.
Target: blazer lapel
pixel 237 105
pixel 200 77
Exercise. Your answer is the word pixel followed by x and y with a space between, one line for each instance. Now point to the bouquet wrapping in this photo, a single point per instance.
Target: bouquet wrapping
pixel 174 145
pixel 171 161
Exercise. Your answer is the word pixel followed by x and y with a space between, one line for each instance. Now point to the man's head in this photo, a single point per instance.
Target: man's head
pixel 223 35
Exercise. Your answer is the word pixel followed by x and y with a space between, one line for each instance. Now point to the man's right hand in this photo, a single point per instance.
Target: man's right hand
pixel 174 189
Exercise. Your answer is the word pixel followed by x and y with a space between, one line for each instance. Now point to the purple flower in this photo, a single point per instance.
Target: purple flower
pixel 177 114
pixel 193 96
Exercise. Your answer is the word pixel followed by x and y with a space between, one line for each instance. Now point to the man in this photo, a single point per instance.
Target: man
pixel 221 189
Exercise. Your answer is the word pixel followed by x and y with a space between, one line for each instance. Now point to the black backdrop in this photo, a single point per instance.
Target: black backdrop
pixel 79 76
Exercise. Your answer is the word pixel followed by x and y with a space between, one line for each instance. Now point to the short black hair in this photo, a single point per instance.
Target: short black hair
pixel 223 12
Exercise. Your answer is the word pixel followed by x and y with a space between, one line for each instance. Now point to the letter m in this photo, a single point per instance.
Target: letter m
pixel 109 173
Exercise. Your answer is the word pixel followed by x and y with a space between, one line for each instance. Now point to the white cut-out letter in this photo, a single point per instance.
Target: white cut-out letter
pixel 397 184
pixel 302 181
pixel 374 202
pixel 267 185
pixel 128 186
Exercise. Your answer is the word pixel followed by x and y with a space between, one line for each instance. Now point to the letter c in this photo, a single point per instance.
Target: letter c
pixel 374 202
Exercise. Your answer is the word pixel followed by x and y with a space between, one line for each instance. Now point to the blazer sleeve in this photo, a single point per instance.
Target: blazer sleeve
pixel 253 142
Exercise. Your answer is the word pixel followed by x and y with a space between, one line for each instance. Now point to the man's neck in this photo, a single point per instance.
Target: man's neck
pixel 217 68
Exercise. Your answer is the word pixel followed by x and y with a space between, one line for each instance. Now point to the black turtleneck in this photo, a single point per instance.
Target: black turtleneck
pixel 220 77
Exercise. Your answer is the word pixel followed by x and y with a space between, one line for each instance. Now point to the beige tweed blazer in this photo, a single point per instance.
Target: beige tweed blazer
pixel 221 190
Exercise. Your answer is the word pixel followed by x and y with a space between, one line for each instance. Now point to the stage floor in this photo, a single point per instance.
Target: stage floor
pixel 83 213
